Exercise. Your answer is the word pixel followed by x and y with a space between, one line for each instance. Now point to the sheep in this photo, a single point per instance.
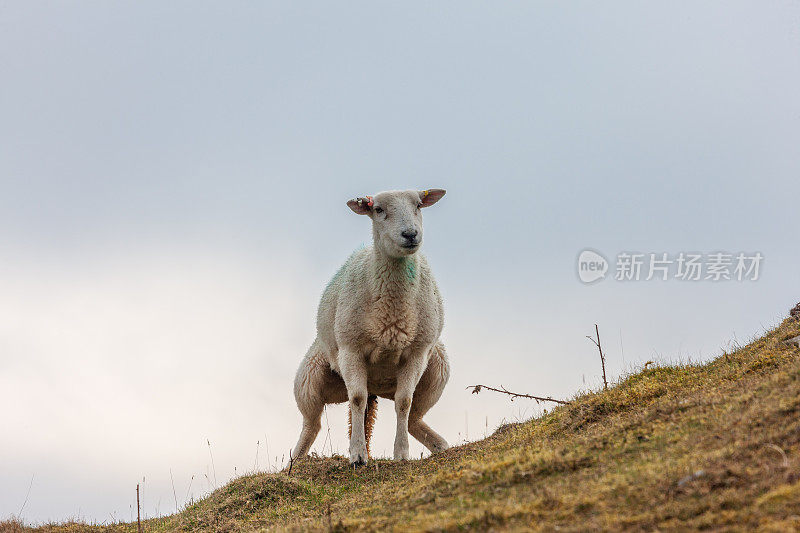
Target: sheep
pixel 378 327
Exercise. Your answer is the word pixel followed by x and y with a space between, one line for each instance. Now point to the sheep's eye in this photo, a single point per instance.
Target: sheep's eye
pixel 419 205
pixel 379 210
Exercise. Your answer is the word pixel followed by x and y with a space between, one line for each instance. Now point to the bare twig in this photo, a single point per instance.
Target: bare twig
pixel 187 490
pixel 328 434
pixel 255 464
pixel 26 498
pixel 477 388
pixel 602 357
pixel 213 468
pixel 174 495
pixel 266 446
pixel 138 511
pixel 291 462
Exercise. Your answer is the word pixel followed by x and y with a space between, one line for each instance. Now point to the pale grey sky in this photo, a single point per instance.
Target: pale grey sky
pixel 173 180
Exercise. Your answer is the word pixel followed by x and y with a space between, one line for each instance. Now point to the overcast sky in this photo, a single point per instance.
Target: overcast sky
pixel 173 179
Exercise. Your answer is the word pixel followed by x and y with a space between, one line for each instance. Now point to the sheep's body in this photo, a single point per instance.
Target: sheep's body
pixel 378 328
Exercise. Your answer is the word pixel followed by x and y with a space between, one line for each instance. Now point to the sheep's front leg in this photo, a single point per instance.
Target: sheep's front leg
pixel 354 374
pixel 407 379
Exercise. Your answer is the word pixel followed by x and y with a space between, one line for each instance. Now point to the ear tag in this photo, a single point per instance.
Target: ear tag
pixel 425 193
pixel 369 200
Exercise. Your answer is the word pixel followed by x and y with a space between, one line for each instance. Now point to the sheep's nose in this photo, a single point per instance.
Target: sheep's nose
pixel 409 234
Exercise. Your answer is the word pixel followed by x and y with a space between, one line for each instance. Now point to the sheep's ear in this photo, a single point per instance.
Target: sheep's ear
pixel 361 205
pixel 428 197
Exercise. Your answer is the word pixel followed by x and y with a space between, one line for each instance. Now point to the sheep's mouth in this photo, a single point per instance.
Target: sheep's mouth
pixel 409 245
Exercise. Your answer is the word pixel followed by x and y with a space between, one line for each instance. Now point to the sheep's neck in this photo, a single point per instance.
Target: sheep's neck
pixel 395 283
pixel 395 277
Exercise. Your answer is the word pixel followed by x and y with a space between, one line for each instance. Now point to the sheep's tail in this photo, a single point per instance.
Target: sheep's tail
pixel 370 414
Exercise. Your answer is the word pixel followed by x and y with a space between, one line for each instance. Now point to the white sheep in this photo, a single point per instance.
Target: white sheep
pixel 378 328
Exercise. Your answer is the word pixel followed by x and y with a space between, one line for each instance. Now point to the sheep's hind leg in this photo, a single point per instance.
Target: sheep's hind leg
pixel 311 427
pixel 314 386
pixel 427 393
pixel 408 379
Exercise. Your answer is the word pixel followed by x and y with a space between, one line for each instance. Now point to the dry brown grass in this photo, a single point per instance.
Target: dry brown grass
pixel 714 446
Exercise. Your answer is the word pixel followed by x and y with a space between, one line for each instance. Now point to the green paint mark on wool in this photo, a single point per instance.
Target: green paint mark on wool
pixel 411 268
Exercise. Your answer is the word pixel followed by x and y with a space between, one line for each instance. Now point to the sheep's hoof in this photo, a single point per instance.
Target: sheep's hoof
pixel 358 455
pixel 401 455
pixel 357 461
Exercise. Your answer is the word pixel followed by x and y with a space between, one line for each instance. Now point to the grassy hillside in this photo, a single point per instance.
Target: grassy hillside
pixel 677 447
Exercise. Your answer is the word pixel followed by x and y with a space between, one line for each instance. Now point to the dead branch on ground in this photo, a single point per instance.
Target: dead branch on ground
pixel 602 357
pixel 477 388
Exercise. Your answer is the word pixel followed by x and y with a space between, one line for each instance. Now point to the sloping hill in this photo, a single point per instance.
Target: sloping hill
pixel 681 447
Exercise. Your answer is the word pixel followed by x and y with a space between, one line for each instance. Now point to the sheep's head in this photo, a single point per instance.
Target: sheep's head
pixel 396 218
